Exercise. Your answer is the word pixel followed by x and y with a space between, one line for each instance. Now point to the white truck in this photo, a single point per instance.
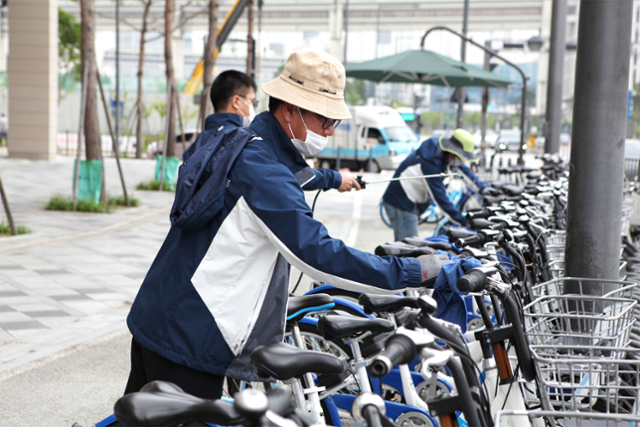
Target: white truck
pixel 375 132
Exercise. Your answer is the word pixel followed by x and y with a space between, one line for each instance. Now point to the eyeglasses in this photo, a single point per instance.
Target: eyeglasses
pixel 329 122
pixel 255 101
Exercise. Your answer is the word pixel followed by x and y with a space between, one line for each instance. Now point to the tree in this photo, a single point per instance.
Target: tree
pixel 69 58
pixel 355 91
pixel 139 104
pixel 88 55
pixel 209 60
pixel 170 138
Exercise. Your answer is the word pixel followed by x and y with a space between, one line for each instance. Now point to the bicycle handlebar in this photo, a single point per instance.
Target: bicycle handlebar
pixel 478 239
pixel 473 281
pixel 399 349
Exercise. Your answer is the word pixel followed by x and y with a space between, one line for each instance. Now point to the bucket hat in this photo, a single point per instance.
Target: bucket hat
pixel 312 80
pixel 460 144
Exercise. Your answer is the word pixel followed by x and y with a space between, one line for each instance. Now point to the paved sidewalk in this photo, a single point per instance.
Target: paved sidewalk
pixel 75 276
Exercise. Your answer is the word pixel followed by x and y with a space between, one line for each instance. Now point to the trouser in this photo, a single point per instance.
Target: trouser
pixel 147 366
pixel 405 224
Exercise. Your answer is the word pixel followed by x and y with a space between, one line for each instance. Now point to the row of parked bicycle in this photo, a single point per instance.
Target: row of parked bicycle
pixel 503 339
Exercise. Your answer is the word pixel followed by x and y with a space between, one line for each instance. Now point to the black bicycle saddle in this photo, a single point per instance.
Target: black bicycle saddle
pixel 386 303
pixel 401 249
pixel 162 403
pixel 283 361
pixel 458 233
pixel 300 303
pixel 512 190
pixel 343 326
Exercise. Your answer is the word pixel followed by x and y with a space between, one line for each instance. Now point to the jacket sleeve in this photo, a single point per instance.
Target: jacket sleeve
pixel 439 195
pixel 325 179
pixel 279 207
pixel 472 176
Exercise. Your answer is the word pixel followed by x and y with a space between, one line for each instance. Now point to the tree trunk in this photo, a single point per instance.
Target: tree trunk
pixel 250 66
pixel 168 57
pixel 87 48
pixel 209 60
pixel 139 104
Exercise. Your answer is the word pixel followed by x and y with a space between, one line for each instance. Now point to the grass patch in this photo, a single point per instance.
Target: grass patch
pixel 154 185
pixel 119 201
pixel 63 203
pixel 5 230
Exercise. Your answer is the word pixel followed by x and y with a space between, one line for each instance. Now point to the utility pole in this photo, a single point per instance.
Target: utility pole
pixel 553 115
pixel 598 134
pixel 463 57
pixel 485 106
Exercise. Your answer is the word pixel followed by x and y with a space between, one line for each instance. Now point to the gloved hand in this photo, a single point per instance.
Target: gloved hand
pixel 431 265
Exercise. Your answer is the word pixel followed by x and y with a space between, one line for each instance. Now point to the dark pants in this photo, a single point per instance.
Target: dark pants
pixel 147 366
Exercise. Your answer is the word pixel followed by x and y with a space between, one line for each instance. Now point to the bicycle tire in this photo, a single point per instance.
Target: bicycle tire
pixel 383 216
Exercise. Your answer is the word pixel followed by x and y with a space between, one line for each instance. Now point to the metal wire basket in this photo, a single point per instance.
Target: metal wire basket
pixel 557 238
pixel 580 320
pixel 583 286
pixel 584 379
pixel 564 419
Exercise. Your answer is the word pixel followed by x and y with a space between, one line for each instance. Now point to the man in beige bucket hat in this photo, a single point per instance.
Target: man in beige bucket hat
pixel 218 290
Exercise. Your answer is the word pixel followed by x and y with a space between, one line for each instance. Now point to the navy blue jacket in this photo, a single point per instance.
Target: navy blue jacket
pixel 216 123
pixel 415 195
pixel 216 292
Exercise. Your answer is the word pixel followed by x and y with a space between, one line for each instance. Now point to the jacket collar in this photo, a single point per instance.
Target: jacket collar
pixel 222 120
pixel 268 127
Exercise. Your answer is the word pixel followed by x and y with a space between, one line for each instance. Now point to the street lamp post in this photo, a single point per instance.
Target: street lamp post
pixel 506 61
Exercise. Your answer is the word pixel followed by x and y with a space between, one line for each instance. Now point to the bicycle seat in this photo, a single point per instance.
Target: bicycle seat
pixel 458 233
pixel 489 200
pixel 498 184
pixel 386 303
pixel 415 241
pixel 479 223
pixel 343 326
pixel 299 306
pixel 534 175
pixel 283 361
pixel 401 249
pixel 162 403
pixel 512 190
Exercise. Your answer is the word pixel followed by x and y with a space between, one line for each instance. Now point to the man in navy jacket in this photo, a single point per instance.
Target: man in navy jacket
pixel 233 96
pixel 405 200
pixel 219 285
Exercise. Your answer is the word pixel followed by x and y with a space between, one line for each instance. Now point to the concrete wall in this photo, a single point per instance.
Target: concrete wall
pixel 33 79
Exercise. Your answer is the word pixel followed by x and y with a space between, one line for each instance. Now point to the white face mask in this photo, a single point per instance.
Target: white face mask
pixel 313 144
pixel 456 162
pixel 246 120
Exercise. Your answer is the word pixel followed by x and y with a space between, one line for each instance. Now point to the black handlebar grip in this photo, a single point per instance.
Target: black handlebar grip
pixel 360 181
pixel 372 415
pixel 473 240
pixel 473 281
pixel 483 214
pixel 399 349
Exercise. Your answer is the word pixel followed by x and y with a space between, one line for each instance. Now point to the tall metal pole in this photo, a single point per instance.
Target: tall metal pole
pixel 463 57
pixel 117 72
pixel 597 153
pixel 485 106
pixel 554 81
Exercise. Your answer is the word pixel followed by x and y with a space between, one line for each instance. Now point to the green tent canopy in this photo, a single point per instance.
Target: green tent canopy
pixel 426 67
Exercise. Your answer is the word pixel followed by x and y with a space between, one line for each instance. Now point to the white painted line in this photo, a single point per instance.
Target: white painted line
pixel 355 220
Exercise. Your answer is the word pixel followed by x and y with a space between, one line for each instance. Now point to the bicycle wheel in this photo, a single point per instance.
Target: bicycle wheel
pixel 430 216
pixel 383 215
pixel 315 341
